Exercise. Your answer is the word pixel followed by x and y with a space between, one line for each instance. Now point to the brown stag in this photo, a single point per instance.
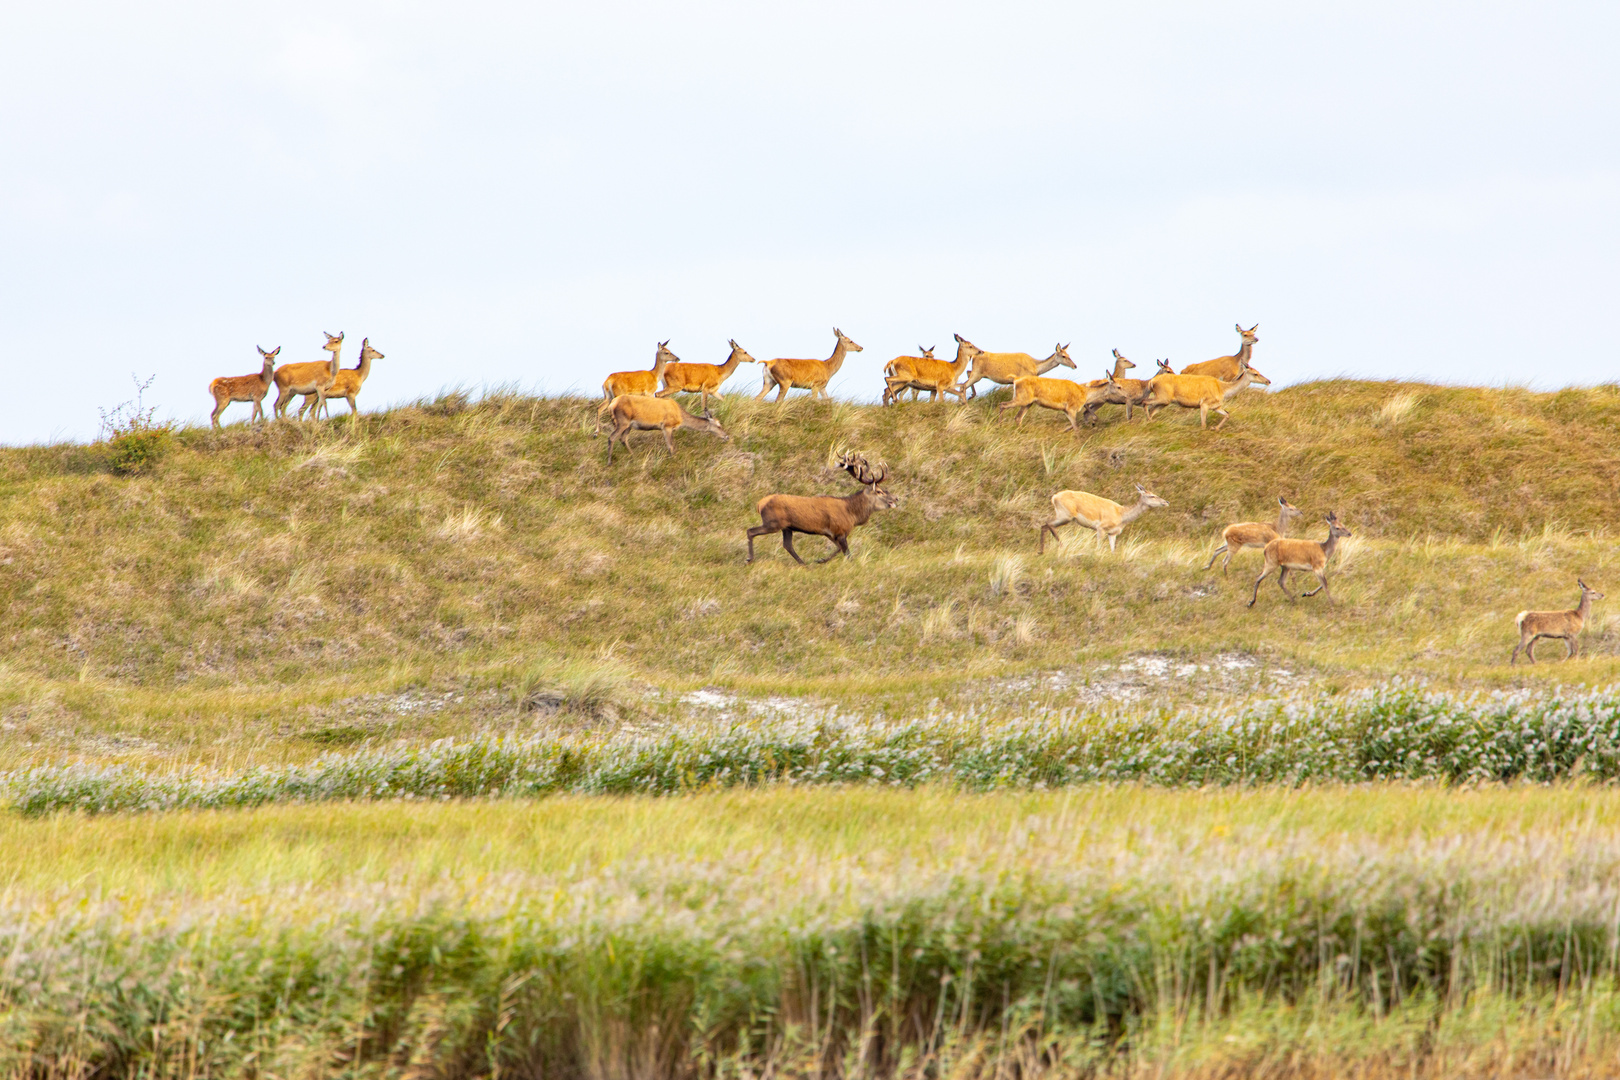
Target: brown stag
pixel 831 516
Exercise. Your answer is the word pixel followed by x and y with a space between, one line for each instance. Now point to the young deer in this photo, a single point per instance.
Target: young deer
pixel 1004 367
pixel 1227 367
pixel 1257 534
pixel 634 413
pixel 229 388
pixel 1534 625
pixel 1064 395
pixel 348 382
pixel 1306 556
pixel 1113 389
pixel 832 516
pixel 1095 512
pixel 703 379
pixel 923 372
pixel 811 375
pixel 644 383
pixel 311 378
pixel 1202 392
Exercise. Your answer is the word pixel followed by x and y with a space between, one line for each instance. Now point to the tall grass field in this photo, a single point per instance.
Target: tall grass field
pixel 427 744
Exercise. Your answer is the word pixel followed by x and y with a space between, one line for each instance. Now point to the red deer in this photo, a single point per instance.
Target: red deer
pixel 1112 389
pixel 812 375
pixel 229 388
pixel 832 516
pixel 1004 367
pixel 349 380
pixel 1227 367
pixel 703 379
pixel 1567 625
pixel 644 383
pixel 634 413
pixel 1064 395
pixel 1095 512
pixel 309 378
pixel 1201 392
pixel 1306 556
pixel 1257 534
pixel 925 373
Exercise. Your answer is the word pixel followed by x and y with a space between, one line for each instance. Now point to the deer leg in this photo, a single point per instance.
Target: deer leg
pixel 1074 427
pixel 1530 649
pixel 787 542
pixel 1282 574
pixel 769 383
pixel 1569 643
pixel 1203 416
pixel 219 407
pixel 757 530
pixel 665 392
pixel 1322 577
pixel 258 411
pixel 669 441
pixel 1514 659
pixel 1049 527
pixel 1102 533
pixel 1256 594
pixel 1225 416
pixel 839 546
pixel 1217 555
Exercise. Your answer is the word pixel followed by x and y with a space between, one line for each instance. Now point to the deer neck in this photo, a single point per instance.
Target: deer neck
pixel 860 505
pixel 1329 544
pixel 659 363
pixel 961 362
pixel 1119 368
pixel 1584 608
pixel 730 365
pixel 1134 512
pixel 1282 521
pixel 1245 353
pixel 337 353
pixel 1047 365
pixel 836 360
pixel 268 375
pixel 363 369
pixel 1230 388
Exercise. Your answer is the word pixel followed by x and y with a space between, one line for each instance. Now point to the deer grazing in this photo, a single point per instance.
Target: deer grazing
pixel 310 378
pixel 1256 534
pixel 812 375
pixel 644 383
pixel 1095 512
pixel 1227 367
pixel 1004 367
pixel 1535 625
pixel 1202 392
pixel 1306 556
pixel 1064 395
pixel 349 381
pixel 631 412
pixel 832 516
pixel 923 372
pixel 703 379
pixel 1114 389
pixel 229 388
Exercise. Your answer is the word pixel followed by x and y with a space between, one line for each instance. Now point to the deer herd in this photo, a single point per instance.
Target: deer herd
pixel 635 401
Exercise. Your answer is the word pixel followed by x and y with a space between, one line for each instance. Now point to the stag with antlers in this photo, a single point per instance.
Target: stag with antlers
pixel 831 516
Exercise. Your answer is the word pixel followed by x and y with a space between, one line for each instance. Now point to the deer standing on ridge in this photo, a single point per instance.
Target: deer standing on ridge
pixel 811 375
pixel 229 388
pixel 348 382
pixel 925 373
pixel 644 383
pixel 832 516
pixel 632 412
pixel 703 379
pixel 1114 389
pixel 1109 518
pixel 1305 556
pixel 1257 534
pixel 1202 392
pixel 308 378
pixel 1004 367
pixel 1565 625
pixel 1227 367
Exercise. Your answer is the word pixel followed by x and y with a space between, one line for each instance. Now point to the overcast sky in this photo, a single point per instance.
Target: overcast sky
pixel 537 194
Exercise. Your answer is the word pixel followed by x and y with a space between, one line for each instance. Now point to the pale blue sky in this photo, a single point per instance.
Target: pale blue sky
pixel 538 193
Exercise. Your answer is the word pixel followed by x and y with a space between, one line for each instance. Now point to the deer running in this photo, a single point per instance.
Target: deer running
pixel 1566 625
pixel 1305 556
pixel 349 381
pixel 308 378
pixel 1256 534
pixel 1004 367
pixel 923 372
pixel 229 388
pixel 1063 395
pixel 634 413
pixel 703 379
pixel 1095 512
pixel 1227 367
pixel 1114 389
pixel 811 375
pixel 1202 392
pixel 832 516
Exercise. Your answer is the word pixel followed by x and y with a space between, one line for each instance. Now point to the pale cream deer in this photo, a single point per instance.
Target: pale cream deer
pixel 703 379
pixel 229 388
pixel 631 412
pixel 1003 368
pixel 1305 556
pixel 832 516
pixel 1109 518
pixel 812 375
pixel 1202 392
pixel 308 378
pixel 1227 367
pixel 1564 625
pixel 348 382
pixel 1255 534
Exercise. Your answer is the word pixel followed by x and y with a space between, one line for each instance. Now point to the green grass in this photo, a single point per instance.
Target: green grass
pixel 260 587
pixel 1396 930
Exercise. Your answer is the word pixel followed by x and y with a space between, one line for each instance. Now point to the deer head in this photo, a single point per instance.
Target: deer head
pixel 1255 376
pixel 1248 335
pixel 1147 498
pixel 928 353
pixel 858 467
pixel 664 355
pixel 1121 360
pixel 1292 510
pixel 1062 354
pixel 843 339
pixel 1588 591
pixel 271 355
pixel 333 344
pixel 740 353
pixel 1165 368
pixel 1334 528
pixel 367 352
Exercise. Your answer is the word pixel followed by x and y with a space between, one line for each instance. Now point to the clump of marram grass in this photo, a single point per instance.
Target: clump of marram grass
pixel 592 691
pixel 1398 407
pixel 1005 575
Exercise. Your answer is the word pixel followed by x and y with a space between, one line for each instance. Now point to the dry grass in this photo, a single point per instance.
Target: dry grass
pixel 263 583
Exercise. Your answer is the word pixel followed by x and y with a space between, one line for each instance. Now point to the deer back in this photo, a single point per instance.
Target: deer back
pixel 1296 554
pixel 1088 507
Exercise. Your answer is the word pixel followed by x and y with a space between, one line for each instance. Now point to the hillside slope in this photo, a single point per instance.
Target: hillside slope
pixel 257 578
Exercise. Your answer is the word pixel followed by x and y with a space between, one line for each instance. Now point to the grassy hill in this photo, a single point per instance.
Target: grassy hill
pixel 264 593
